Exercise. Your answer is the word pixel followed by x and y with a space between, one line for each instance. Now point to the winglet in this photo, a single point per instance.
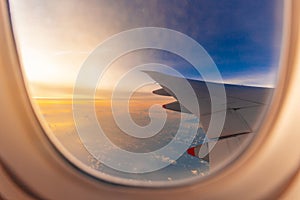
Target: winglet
pixel 195 151
pixel 191 151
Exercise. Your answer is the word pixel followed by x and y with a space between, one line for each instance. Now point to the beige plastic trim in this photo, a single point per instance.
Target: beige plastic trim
pixel 31 168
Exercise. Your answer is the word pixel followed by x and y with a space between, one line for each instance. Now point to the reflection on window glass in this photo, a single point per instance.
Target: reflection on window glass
pixel 150 91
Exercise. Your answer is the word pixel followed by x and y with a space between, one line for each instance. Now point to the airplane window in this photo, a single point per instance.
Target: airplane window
pixel 150 92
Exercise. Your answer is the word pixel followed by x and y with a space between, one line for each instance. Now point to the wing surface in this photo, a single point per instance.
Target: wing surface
pixel 245 106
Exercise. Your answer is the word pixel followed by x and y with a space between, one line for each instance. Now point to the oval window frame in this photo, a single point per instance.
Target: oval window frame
pixel 40 158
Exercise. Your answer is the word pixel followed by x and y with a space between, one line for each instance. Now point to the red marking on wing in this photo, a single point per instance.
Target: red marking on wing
pixel 191 151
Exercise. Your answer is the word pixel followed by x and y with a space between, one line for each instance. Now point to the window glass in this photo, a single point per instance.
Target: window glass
pixel 149 92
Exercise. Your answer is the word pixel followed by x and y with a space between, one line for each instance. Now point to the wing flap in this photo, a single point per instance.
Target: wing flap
pixel 234 124
pixel 227 148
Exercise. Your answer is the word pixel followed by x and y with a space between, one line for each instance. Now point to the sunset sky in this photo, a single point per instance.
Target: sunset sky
pixel 55 37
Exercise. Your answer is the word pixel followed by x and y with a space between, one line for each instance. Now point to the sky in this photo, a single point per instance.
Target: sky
pixel 55 37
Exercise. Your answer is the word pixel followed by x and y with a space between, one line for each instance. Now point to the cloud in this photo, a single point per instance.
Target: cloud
pixel 260 79
pixel 166 159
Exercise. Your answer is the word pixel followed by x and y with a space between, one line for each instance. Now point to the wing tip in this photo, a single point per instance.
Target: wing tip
pixel 191 151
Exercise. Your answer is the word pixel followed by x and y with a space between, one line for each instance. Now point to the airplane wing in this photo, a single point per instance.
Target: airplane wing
pixel 245 107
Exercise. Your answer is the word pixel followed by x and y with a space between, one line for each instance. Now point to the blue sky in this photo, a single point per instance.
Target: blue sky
pixel 243 37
